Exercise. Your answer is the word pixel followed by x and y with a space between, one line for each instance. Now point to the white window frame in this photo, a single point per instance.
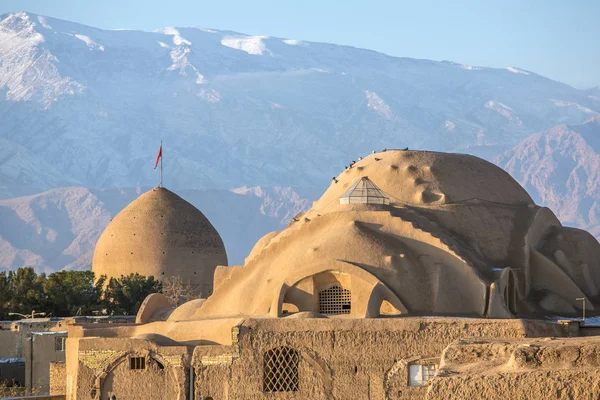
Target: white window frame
pixel 420 374
pixel 60 343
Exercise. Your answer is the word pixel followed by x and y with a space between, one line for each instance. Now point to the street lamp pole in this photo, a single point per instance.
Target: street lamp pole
pixel 26 316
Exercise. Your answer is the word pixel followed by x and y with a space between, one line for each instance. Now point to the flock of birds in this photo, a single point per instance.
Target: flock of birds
pixel 351 165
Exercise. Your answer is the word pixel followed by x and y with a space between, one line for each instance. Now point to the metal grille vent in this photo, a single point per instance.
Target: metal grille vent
pixel 335 300
pixel 281 370
pixel 137 363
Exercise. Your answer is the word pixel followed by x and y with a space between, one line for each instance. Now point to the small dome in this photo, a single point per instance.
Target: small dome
pixel 162 235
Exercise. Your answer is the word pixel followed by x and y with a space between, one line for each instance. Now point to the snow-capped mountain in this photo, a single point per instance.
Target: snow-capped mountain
pixel 84 108
pixel 238 110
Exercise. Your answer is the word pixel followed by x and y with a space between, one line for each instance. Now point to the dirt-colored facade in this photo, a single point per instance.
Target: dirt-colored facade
pixel 58 378
pixel 45 348
pixel 337 359
pixel 33 342
pixel 344 359
pixel 551 368
pixel 28 348
pixel 405 254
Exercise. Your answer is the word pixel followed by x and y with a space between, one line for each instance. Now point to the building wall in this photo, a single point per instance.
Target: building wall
pixel 40 354
pixel 123 382
pixel 58 378
pixel 103 370
pixel 12 373
pixel 10 346
pixel 556 384
pixel 519 369
pixel 339 358
pixel 344 358
pixel 16 342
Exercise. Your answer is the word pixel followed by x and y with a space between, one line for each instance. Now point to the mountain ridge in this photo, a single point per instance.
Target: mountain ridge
pixel 236 109
pixel 85 107
pixel 561 168
pixel 58 229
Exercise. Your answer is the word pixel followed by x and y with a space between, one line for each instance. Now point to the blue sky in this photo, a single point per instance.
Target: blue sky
pixel 558 39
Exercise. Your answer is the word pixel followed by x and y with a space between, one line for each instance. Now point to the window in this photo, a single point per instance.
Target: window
pixel 335 300
pixel 137 363
pixel 59 343
pixel 420 374
pixel 280 370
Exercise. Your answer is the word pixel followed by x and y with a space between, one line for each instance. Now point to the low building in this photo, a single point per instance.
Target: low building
pixel 406 255
pixel 29 346
pixel 12 372
pixel 26 349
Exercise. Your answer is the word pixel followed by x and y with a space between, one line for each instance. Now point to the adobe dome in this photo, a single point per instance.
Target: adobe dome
pixel 414 233
pixel 162 235
pixel 430 179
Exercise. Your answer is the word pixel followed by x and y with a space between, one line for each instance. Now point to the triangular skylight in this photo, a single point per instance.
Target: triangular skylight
pixel 364 192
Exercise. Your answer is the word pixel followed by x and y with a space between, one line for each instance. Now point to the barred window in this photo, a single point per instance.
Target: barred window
pixel 137 363
pixel 59 343
pixel 420 374
pixel 280 370
pixel 335 300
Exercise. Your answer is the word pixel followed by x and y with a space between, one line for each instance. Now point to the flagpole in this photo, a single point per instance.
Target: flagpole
pixel 161 173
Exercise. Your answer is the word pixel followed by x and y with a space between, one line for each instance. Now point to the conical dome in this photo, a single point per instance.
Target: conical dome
pixel 162 235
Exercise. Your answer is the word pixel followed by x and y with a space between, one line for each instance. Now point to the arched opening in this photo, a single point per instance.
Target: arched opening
pixel 359 293
pixel 280 370
pixel 335 300
pixel 137 376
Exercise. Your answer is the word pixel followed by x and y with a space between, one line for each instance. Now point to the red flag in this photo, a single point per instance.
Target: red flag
pixel 158 156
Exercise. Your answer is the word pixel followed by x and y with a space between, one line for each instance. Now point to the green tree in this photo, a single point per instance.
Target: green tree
pixel 69 293
pixel 26 291
pixel 125 295
pixel 5 295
